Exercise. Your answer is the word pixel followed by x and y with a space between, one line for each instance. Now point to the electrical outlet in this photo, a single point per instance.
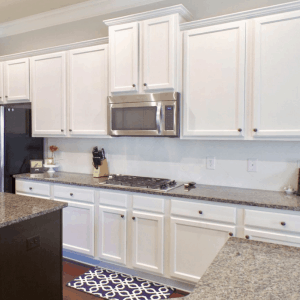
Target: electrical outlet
pixel 210 163
pixel 252 165
pixel 33 242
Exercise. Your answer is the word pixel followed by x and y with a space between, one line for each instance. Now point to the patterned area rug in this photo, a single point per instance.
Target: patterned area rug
pixel 112 285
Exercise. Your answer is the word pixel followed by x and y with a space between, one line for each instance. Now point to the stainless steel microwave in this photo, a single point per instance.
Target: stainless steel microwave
pixel 144 115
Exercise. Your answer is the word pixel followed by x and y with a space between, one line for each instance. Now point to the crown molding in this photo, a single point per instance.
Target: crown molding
pixel 71 13
pixel 176 9
pixel 250 14
pixel 67 47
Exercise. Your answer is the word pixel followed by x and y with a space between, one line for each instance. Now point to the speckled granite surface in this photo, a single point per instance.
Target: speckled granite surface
pixel 17 208
pixel 249 197
pixel 251 270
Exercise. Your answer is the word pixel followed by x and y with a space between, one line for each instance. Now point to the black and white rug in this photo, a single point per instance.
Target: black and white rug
pixel 112 285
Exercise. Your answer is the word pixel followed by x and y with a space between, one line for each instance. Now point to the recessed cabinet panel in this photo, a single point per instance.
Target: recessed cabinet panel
pixel 1 83
pixel 88 91
pixel 124 57
pixel 194 245
pixel 112 234
pixel 159 53
pixel 48 94
pixel 16 80
pixel 214 67
pixel 277 76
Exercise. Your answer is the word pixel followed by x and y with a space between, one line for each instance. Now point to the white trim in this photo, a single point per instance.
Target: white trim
pixel 176 9
pixel 254 13
pixel 67 47
pixel 70 13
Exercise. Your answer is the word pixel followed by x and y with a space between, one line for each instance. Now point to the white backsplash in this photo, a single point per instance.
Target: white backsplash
pixel 185 160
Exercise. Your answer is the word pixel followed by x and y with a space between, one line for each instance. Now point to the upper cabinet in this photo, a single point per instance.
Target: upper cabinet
pixel 88 90
pixel 214 84
pixel 143 55
pixel 48 94
pixel 276 97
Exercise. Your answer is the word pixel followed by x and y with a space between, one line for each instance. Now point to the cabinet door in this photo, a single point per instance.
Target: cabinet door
pixel 277 76
pixel 159 53
pixel 48 94
pixel 16 80
pixel 1 83
pixel 112 234
pixel 214 67
pixel 78 227
pixel 124 57
pixel 194 245
pixel 148 239
pixel 88 91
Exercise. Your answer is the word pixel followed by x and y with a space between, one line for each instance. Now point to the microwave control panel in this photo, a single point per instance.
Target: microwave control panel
pixel 169 117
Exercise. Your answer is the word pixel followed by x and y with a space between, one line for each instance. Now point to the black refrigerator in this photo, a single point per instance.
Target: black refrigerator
pixel 17 146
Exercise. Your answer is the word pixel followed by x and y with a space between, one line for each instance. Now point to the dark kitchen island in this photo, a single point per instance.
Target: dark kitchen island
pixel 30 247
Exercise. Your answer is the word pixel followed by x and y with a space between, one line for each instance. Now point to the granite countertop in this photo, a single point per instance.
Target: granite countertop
pixel 249 270
pixel 17 208
pixel 240 196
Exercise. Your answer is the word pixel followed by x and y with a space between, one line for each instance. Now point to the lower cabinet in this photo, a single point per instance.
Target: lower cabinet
pixel 148 242
pixel 78 227
pixel 112 234
pixel 194 245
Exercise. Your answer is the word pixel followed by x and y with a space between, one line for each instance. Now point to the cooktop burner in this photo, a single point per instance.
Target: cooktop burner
pixel 141 182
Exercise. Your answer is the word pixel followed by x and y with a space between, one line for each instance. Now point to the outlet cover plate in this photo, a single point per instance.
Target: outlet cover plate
pixel 210 163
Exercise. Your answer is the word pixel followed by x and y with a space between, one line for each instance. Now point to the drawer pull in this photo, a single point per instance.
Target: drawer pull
pixel 122 216
pixel 247 237
pixel 30 188
pixel 282 223
pixel 230 234
pixel 133 218
pixel 200 212
pixel 71 194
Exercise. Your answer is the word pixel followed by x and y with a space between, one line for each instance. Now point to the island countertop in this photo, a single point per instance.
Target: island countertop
pixel 248 270
pixel 221 194
pixel 17 208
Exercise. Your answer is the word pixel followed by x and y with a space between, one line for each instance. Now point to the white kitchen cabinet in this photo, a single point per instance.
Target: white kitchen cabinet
pixel 124 57
pixel 48 94
pixel 159 36
pixel 32 189
pixel 88 91
pixel 78 227
pixel 148 242
pixel 214 85
pixel 1 83
pixel 277 76
pixel 112 234
pixel 155 59
pixel 194 245
pixel 16 80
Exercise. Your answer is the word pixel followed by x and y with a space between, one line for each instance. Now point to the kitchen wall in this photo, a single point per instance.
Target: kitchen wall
pixel 164 157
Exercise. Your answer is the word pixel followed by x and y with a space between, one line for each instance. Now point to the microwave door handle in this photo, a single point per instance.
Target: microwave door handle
pixel 158 118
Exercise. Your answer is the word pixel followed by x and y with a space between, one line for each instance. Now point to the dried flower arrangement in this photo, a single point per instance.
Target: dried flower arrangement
pixel 53 149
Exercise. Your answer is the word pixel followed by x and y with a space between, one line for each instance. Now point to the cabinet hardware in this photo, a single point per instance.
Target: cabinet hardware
pixel 230 233
pixel 6 96
pixel 255 129
pixel 240 130
pixel 62 130
pixel 145 84
pixel 70 130
pixel 71 194
pixel 133 85
pixel 30 188
pixel 0 97
pixel 122 216
pixel 200 212
pixel 133 218
pixel 247 237
pixel 282 223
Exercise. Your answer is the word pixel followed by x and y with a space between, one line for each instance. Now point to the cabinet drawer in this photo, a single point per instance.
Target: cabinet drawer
pixel 72 193
pixel 113 198
pixel 31 187
pixel 148 203
pixel 275 221
pixel 204 211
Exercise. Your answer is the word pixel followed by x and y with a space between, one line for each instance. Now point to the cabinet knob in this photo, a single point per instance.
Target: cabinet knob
pixel 247 237
pixel 0 97
pixel 71 194
pixel 255 129
pixel 240 130
pixel 30 188
pixel 62 130
pixel 200 212
pixel 6 96
pixel 122 216
pixel 230 234
pixel 70 130
pixel 145 84
pixel 133 218
pixel 282 223
pixel 133 85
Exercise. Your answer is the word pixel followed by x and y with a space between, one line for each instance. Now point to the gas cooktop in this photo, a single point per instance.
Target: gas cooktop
pixel 150 183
